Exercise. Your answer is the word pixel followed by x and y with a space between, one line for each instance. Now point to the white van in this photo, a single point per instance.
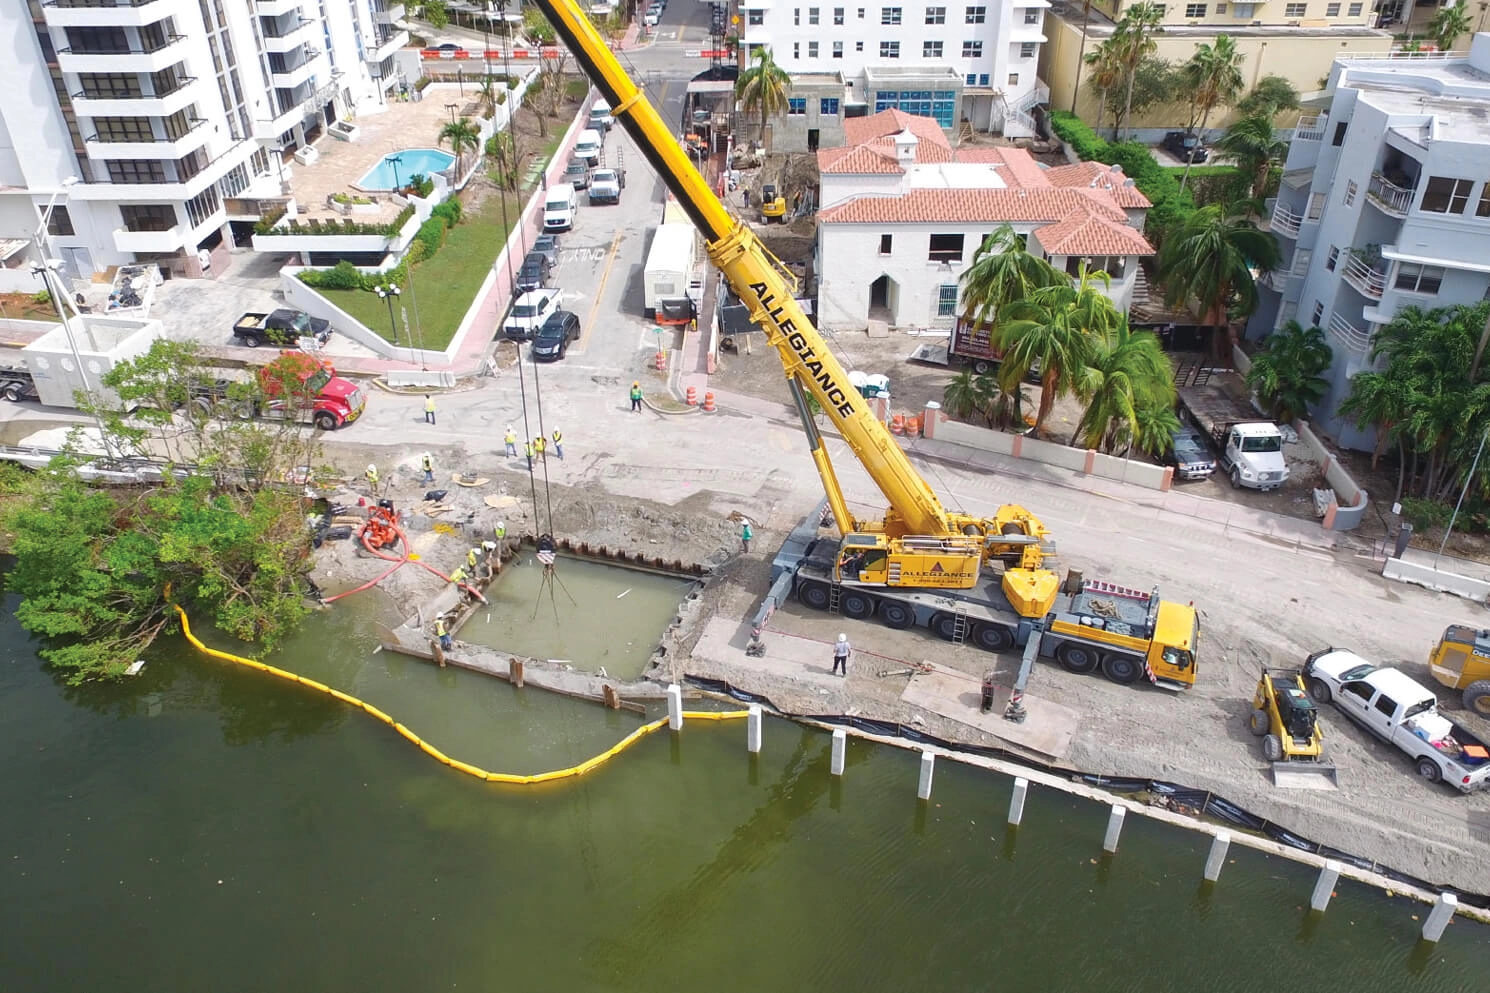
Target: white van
pixel 588 146
pixel 601 118
pixel 559 204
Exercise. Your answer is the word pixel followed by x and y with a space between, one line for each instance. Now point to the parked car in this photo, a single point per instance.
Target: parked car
pixel 551 343
pixel 559 205
pixel 652 17
pixel 283 327
pixel 606 186
pixel 588 145
pixel 1181 144
pixel 1190 455
pixel 529 312
pixel 601 118
pixel 577 173
pixel 534 272
pixel 547 245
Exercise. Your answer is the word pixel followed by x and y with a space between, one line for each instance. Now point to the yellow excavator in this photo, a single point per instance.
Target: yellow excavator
pixel 1461 661
pixel 983 579
pixel 773 205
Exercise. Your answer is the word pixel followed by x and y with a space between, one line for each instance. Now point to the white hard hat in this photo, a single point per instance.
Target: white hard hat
pixel 426 455
pixel 501 524
pixel 372 467
pixel 509 427
pixel 842 637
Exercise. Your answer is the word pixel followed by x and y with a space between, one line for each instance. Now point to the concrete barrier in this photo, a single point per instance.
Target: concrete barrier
pixel 1349 505
pixel 1468 587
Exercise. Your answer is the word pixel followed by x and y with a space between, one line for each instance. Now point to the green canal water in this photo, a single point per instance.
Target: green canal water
pixel 203 827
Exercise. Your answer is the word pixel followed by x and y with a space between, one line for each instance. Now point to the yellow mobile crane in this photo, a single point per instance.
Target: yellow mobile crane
pixel 920 564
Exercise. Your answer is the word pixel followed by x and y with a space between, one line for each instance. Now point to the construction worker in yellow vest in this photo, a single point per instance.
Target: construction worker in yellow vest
pixel 511 440
pixel 428 462
pixel 538 446
pixel 429 408
pixel 500 530
pixel 559 444
pixel 458 576
pixel 441 633
pixel 471 559
pixel 528 451
pixel 372 478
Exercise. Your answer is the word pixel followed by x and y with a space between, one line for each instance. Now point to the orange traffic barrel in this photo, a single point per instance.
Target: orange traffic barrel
pixel 913 426
pixel 692 395
pixel 709 401
pixel 897 424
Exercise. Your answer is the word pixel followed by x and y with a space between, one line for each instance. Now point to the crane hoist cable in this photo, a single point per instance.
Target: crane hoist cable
pixel 528 447
pixel 547 494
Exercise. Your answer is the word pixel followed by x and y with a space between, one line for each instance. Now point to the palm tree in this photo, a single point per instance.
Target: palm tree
pixel 1128 373
pixel 1214 77
pixel 1054 329
pixel 1086 16
pixel 1448 25
pixel 1132 42
pixel 762 89
pixel 1288 374
pixel 462 136
pixel 1209 257
pixel 1382 400
pixel 1001 272
pixel 1105 74
pixel 1156 425
pixel 1256 148
pixel 965 395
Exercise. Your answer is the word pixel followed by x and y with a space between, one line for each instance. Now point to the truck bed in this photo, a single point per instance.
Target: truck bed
pixel 1211 407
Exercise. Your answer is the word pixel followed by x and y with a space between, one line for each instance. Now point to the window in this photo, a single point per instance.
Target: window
pixel 936 15
pixel 796 17
pixel 972 79
pixel 972 49
pixel 890 15
pixel 1339 138
pixel 1013 79
pixel 1316 207
pixel 858 46
pixel 1350 191
pixel 136 171
pixel 828 106
pixel 796 50
pixel 861 13
pixel 1415 278
pixel 889 49
pixel 1332 10
pixel 755 18
pixel 1332 258
pixel 885 242
pixel 946 300
pixel 123 129
pixel 983 79
pixel 1446 196
pixel 60 223
pixel 1359 689
pixel 110 85
pixel 1032 16
pixel 97 41
pixel 812 49
pixel 837 15
pixel 931 49
pixel 200 208
pixel 945 248
pixel 1483 208
pixel 1241 11
pixel 1195 10
pixel 1318 313
pixel 838 49
pixel 796 106
pixel 1026 49
pixel 1220 8
pixel 1113 265
pixel 975 15
pixel 1295 9
pixel 939 105
pixel 812 15
pixel 1386 705
pixel 148 217
pixel 1354 10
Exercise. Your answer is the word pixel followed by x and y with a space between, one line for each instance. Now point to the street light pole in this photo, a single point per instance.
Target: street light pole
pixel 387 294
pixel 1460 502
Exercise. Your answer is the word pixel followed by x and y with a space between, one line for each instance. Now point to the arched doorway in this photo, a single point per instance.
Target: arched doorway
pixel 884 298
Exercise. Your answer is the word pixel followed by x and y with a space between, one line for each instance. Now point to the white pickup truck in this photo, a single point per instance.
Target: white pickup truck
pixel 1390 705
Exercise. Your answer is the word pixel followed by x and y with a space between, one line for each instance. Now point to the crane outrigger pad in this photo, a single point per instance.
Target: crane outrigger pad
pixel 1047 730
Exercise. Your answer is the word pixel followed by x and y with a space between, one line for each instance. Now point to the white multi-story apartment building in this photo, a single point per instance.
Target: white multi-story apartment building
pixel 154 125
pixel 1384 204
pixel 903 214
pixel 952 62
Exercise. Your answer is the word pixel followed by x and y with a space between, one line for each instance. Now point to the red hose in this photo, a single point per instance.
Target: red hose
pixel 398 563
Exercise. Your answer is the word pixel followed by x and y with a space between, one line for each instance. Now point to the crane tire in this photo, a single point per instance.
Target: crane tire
pixel 1121 669
pixel 1429 770
pixel 896 615
pixel 1272 748
pixel 1477 697
pixel 813 594
pixel 1259 722
pixel 993 637
pixel 1076 658
pixel 1319 690
pixel 945 625
pixel 856 605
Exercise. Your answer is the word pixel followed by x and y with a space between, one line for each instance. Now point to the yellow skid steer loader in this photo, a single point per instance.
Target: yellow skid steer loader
pixel 1286 720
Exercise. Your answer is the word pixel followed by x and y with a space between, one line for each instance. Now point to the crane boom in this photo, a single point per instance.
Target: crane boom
pixel 734 250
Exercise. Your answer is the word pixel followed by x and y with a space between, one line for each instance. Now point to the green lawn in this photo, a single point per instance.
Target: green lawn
pixel 445 285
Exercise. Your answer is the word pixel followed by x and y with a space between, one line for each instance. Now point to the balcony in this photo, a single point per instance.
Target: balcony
pixel 302 34
pixel 161 148
pixel 390 14
pixel 392 43
pixel 273 8
pixel 128 60
pixel 1310 128
pixel 109 13
pixel 1355 340
pixel 1286 222
pixel 169 240
pixel 138 105
pixel 288 77
pixel 1370 280
pixel 1389 198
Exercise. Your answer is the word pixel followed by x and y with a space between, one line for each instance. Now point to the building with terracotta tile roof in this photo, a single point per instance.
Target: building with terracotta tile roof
pixel 903 212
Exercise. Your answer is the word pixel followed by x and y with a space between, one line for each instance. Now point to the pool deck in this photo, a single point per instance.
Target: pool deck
pixel 342 163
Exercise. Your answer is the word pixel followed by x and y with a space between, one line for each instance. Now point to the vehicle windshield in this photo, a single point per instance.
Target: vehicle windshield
pixel 525 310
pixel 1359 672
pixel 1178 657
pixel 1262 445
pixel 301 322
pixel 317 383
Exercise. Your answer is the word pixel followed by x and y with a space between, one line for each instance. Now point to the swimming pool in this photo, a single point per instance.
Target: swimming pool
pixel 397 167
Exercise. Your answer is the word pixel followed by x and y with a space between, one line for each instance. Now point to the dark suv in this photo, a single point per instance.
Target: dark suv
pixel 534 272
pixel 552 340
pixel 1181 144
pixel 1190 455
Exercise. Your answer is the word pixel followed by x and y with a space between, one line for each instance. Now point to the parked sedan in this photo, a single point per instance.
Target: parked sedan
pixel 1190 455
pixel 551 342
pixel 534 272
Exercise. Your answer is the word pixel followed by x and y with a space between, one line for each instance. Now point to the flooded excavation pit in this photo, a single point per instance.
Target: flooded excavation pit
pixel 592 616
